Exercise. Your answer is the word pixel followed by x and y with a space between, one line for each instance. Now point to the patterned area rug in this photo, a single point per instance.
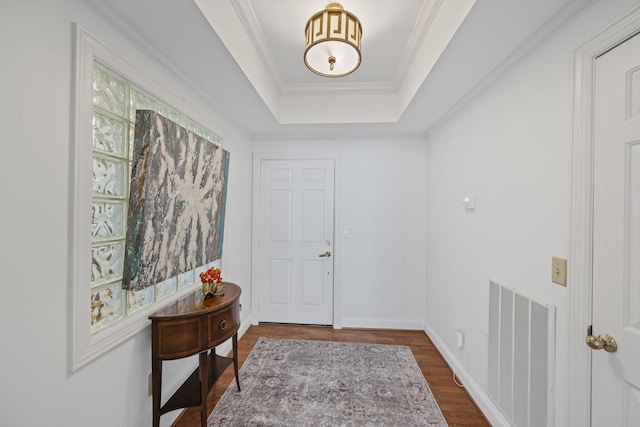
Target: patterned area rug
pixel 320 383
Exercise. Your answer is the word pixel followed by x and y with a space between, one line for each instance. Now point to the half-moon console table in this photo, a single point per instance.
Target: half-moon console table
pixel 194 325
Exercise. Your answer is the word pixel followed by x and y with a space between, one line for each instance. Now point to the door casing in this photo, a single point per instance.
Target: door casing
pixel 258 157
pixel 580 278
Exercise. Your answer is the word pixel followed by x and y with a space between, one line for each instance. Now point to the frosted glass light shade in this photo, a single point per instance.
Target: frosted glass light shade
pixel 333 42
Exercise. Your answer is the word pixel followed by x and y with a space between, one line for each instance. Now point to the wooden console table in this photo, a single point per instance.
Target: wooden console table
pixel 189 326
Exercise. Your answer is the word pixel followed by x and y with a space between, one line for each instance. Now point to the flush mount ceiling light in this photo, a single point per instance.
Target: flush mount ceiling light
pixel 333 42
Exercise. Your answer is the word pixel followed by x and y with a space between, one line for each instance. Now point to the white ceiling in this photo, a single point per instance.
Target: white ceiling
pixel 245 56
pixel 402 41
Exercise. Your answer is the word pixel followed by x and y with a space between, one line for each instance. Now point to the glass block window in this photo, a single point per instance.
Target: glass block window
pixel 115 101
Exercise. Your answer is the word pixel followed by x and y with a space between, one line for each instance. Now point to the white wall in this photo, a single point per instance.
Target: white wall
pixel 380 187
pixel 35 114
pixel 511 147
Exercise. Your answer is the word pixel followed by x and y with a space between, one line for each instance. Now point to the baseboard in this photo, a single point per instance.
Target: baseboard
pixel 482 400
pixel 355 322
pixel 416 325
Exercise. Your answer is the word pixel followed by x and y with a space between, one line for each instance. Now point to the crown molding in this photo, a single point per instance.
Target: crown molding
pixel 418 35
pixel 369 136
pixel 251 25
pixel 344 88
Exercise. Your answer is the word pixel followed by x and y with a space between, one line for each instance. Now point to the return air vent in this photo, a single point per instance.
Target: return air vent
pixel 521 357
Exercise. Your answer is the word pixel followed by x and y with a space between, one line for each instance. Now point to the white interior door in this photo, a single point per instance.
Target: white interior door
pixel 295 277
pixel 616 246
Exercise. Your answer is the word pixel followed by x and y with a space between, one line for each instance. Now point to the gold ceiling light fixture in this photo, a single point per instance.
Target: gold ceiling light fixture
pixel 333 42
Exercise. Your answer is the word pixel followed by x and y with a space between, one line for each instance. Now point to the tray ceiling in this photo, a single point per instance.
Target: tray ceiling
pixel 401 43
pixel 421 58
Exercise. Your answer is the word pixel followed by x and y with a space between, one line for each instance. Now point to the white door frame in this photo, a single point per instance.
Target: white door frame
pixel 580 269
pixel 258 157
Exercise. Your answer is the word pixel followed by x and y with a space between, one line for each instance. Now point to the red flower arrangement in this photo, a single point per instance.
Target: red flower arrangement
pixel 211 282
pixel 212 275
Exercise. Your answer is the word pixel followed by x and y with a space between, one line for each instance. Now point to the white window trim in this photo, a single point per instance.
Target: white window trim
pixel 85 346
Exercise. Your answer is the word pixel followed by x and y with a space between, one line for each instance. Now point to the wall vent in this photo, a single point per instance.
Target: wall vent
pixel 521 357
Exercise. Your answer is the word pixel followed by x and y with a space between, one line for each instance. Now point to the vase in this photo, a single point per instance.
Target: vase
pixel 211 289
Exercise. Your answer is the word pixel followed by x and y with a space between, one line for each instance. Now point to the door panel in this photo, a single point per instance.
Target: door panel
pixel 280 272
pixel 616 233
pixel 312 289
pixel 296 227
pixel 313 216
pixel 280 215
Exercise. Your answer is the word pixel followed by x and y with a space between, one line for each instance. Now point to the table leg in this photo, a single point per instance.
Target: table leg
pixel 235 358
pixel 156 378
pixel 204 387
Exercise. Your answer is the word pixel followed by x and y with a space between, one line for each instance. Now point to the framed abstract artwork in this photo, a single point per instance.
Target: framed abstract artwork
pixel 176 202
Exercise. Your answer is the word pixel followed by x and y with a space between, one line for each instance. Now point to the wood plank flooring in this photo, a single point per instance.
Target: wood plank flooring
pixel 456 405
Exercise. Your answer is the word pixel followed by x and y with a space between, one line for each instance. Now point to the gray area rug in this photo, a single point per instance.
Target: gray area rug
pixel 321 383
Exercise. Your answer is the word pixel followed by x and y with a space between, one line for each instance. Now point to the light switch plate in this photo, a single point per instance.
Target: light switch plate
pixel 469 202
pixel 559 271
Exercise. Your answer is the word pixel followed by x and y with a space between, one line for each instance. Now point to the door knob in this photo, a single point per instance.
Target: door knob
pixel 325 255
pixel 595 342
pixel 604 341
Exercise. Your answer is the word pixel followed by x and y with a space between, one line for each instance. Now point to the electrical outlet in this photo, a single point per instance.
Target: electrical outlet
pixel 559 271
pixel 150 384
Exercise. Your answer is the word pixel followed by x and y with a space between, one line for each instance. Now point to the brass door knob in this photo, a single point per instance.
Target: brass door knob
pixel 604 341
pixel 595 342
pixel 325 255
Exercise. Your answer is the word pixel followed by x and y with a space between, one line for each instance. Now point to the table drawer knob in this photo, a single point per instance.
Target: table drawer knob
pixel 223 325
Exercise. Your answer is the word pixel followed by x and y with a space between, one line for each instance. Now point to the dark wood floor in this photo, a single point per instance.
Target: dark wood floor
pixel 456 405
